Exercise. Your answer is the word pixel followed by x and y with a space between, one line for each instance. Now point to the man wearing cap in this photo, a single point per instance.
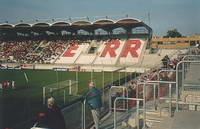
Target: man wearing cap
pixel 54 116
pixel 93 99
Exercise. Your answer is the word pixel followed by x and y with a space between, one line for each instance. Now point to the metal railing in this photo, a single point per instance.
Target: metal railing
pixel 186 56
pixel 73 115
pixel 177 80
pixel 169 94
pixel 137 109
pixel 124 94
pixel 144 91
pixel 83 114
pixel 154 83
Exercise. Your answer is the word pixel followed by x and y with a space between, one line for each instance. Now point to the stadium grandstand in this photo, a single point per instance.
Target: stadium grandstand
pixel 142 85
pixel 102 42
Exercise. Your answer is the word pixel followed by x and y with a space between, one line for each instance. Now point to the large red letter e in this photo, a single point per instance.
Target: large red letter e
pixel 68 52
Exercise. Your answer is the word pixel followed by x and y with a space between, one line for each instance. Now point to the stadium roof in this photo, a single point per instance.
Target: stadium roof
pixel 98 23
pixel 107 25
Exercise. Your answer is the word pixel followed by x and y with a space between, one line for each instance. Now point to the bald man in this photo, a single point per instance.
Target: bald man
pixel 54 116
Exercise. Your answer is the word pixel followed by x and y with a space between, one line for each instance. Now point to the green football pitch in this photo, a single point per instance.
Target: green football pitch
pixel 25 101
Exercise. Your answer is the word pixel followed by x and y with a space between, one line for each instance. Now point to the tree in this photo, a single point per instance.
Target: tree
pixel 173 33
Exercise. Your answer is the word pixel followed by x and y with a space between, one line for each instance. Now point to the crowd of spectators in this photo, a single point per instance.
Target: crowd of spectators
pixel 47 52
pixel 31 51
pixel 14 51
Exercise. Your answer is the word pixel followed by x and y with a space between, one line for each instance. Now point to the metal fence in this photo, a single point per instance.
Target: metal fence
pixel 188 80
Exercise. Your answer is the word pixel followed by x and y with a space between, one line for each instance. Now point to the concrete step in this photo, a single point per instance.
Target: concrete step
pixel 164 124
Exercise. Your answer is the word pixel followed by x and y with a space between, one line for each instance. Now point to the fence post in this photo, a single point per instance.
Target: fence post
pixel 170 99
pixel 77 79
pixel 82 116
pixel 144 105
pixel 119 78
pixel 44 97
pixel 84 113
pixel 137 114
pixel 103 94
pixel 64 99
pixel 57 79
pixel 183 74
pixel 154 96
pixel 112 78
pixel 115 113
pixel 70 87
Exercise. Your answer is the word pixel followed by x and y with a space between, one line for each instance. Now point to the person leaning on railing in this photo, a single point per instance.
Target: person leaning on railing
pixel 93 99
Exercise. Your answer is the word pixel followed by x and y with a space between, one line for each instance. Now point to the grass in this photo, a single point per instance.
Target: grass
pixel 26 100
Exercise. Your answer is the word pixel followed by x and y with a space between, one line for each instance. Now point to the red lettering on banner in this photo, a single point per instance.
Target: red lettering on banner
pixel 131 46
pixel 69 50
pixel 110 48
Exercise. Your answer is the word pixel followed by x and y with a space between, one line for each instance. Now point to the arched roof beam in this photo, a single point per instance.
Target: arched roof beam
pixel 41 25
pixel 6 26
pixel 128 21
pixel 81 23
pixel 22 25
pixel 103 22
pixel 60 24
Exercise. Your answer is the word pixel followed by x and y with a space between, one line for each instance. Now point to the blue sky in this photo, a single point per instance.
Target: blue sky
pixel 183 15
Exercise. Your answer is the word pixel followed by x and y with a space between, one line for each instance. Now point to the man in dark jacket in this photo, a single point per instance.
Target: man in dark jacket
pixel 93 99
pixel 54 116
pixel 166 61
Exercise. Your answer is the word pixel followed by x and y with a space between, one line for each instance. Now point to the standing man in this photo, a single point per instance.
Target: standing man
pixel 93 99
pixel 54 116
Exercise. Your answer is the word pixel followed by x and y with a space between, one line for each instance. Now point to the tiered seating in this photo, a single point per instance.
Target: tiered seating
pixel 72 53
pixel 89 54
pixel 31 51
pixel 16 51
pixel 131 52
pixel 109 52
pixel 46 52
